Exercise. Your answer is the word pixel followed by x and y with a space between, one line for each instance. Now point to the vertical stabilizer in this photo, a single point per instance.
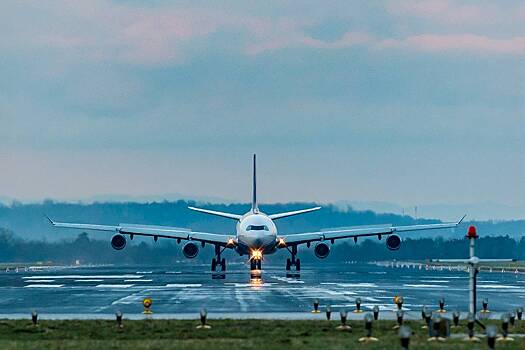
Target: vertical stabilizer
pixel 255 209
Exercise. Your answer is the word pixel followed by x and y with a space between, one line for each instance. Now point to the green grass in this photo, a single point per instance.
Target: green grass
pixel 224 334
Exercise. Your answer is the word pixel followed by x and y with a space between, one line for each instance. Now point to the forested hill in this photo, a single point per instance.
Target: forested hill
pixel 27 221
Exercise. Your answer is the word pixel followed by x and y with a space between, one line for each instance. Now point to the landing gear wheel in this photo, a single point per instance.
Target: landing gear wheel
pixel 223 264
pixel 298 265
pixel 288 264
pixel 213 264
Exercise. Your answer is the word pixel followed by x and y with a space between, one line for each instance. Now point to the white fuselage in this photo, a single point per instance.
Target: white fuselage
pixel 256 231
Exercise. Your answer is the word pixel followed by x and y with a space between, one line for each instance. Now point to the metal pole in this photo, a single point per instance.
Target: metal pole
pixel 472 278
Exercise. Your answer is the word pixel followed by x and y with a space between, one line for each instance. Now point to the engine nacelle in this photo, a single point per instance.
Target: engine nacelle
pixel 321 250
pixel 393 242
pixel 190 250
pixel 118 242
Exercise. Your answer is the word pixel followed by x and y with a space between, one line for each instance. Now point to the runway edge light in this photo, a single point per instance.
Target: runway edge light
pixel 404 335
pixel 203 318
pixel 369 319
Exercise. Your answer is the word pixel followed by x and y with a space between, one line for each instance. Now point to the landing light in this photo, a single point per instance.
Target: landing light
pixel 281 242
pixel 256 255
pixel 231 242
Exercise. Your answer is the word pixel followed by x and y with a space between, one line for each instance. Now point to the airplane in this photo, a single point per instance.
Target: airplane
pixel 256 235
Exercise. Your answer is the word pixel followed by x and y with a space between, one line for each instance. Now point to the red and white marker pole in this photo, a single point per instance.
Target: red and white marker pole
pixel 472 235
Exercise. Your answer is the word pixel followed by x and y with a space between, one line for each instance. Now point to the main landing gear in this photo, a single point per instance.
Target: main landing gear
pixel 293 262
pixel 218 263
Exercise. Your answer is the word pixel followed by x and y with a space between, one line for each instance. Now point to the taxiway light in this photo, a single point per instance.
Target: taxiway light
pixel 505 328
pixel 399 319
pixel 34 318
pixel 328 312
pixel 368 327
pixel 404 336
pixel 434 332
pixel 492 333
pixel 316 307
pixel 358 305
pixel 375 310
pixel 512 318
pixel 470 326
pixel 203 318
pixel 424 311
pixel 427 316
pixel 398 300
pixel 442 306
pixel 519 313
pixel 147 302
pixel 455 318
pixel 118 318
pixel 343 326
pixel 485 306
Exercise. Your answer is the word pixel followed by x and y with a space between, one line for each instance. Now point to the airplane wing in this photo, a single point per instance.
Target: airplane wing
pixel 153 231
pixel 300 238
pixel 291 213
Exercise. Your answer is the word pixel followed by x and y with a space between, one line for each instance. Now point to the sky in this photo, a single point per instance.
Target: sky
pixel 406 102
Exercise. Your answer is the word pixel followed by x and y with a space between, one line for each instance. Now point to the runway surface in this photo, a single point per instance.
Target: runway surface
pixel 187 288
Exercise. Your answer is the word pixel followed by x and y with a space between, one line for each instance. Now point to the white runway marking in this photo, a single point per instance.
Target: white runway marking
pixel 287 280
pixel 82 277
pixel 498 286
pixel 434 281
pixel 189 285
pixel 424 286
pixel 39 281
pixel 352 285
pixel 114 285
pixel 44 286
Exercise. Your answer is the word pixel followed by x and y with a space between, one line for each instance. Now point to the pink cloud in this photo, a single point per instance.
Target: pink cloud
pixel 458 43
pixel 299 39
pixel 459 12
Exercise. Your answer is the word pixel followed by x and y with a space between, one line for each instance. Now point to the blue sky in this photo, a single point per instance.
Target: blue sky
pixel 402 101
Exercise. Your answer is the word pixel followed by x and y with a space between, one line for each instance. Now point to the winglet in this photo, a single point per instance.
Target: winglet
pixel 49 219
pixel 461 220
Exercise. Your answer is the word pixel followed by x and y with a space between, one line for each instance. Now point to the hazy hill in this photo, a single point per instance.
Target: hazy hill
pixel 27 220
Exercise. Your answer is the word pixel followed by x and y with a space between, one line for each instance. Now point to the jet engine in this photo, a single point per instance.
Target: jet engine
pixel 118 242
pixel 190 250
pixel 321 250
pixel 393 242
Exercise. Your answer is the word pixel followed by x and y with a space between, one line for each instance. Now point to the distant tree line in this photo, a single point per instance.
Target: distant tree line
pixel 96 251
pixel 28 220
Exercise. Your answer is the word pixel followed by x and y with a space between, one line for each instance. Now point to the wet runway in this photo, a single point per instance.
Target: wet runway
pixel 187 288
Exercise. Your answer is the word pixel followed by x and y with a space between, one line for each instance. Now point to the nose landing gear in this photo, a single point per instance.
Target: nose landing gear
pixel 293 262
pixel 218 263
pixel 255 264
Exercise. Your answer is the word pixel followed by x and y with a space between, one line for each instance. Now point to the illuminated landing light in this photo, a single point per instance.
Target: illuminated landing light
pixel 256 254
pixel 231 242
pixel 281 243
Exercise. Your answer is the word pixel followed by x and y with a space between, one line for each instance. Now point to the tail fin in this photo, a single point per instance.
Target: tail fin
pixel 255 208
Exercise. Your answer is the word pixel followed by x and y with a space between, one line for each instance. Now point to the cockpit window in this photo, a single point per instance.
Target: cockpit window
pixel 257 228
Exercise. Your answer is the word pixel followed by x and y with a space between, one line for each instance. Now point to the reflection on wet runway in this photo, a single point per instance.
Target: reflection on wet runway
pixel 190 288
